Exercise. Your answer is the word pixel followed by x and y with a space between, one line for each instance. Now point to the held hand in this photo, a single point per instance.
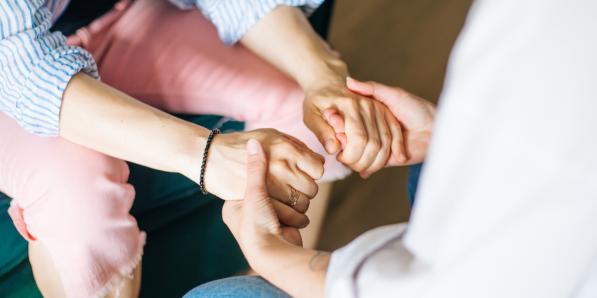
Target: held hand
pixel 254 221
pixel 369 129
pixel 292 171
pixel 415 115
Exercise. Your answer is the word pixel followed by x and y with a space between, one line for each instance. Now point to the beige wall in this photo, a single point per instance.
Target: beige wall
pixel 397 42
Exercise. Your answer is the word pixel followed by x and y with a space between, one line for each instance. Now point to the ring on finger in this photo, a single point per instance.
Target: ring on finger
pixel 294 197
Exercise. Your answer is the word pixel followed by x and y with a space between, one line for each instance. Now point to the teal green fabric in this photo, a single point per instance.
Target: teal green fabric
pixel 19 283
pixel 187 242
pixel 13 249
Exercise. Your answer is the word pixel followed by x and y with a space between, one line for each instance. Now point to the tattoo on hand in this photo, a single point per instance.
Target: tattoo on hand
pixel 318 262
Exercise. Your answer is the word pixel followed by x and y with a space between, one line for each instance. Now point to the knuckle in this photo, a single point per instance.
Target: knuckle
pixel 294 218
pixel 387 135
pixel 358 167
pixel 302 207
pixel 348 159
pixel 375 143
pixel 278 166
pixel 359 138
pixel 307 204
pixel 302 221
pixel 314 160
pixel 313 189
pixel 290 145
pixel 319 170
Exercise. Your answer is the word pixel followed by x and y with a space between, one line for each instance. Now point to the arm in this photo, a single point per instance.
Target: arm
pixel 286 40
pixel 99 117
pixel 49 88
pixel 298 271
pixel 52 99
pixel 281 35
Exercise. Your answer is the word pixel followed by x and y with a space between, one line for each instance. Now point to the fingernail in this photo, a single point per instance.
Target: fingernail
pixel 252 147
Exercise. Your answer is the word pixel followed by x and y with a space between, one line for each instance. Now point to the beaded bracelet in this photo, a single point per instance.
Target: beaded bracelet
pixel 210 138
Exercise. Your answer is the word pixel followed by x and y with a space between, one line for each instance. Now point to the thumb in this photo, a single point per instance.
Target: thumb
pixel 324 132
pixel 390 96
pixel 256 171
pixel 362 88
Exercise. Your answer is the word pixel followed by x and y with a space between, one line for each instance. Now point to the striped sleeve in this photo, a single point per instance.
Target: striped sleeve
pixel 36 66
pixel 233 18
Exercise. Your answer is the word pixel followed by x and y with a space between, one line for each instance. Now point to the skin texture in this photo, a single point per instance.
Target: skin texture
pixel 285 39
pixel 99 117
pixel 415 115
pixel 274 250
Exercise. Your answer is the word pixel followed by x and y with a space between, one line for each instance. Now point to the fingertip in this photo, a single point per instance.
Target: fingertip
pixel 351 83
pixel 337 123
pixel 331 146
pixel 362 88
pixel 343 140
pixel 403 157
pixel 328 113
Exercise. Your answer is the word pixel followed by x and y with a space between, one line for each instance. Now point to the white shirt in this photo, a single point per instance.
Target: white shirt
pixel 507 205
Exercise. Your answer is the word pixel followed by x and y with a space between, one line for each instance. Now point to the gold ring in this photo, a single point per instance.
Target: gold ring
pixel 294 197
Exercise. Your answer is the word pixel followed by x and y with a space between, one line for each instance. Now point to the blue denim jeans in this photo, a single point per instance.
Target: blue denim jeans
pixel 413 182
pixel 238 287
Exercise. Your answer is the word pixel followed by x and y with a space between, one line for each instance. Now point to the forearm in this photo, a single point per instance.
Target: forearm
pixel 291 268
pixel 285 39
pixel 101 118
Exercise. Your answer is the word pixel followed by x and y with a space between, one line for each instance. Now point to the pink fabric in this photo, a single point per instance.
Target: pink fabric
pixel 173 60
pixel 77 201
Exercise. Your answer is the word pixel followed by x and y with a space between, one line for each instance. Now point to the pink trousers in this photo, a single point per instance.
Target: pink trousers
pixel 77 201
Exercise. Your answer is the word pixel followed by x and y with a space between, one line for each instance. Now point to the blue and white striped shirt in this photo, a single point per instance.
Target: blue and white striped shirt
pixel 36 65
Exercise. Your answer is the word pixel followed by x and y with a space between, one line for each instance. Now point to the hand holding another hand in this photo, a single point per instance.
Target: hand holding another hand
pixel 414 114
pixel 254 221
pixel 292 169
pixel 371 132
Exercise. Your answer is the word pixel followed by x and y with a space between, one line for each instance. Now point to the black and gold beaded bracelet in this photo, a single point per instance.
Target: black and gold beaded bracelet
pixel 210 138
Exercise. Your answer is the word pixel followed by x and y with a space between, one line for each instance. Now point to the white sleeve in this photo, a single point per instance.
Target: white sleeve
pixel 507 205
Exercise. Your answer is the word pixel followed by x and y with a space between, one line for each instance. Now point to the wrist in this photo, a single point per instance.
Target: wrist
pixel 326 71
pixel 262 256
pixel 190 158
pixel 224 168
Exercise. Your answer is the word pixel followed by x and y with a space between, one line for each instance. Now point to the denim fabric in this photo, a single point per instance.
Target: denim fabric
pixel 238 287
pixel 413 182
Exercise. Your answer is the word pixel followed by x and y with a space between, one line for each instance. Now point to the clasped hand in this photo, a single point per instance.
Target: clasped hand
pixel 369 125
